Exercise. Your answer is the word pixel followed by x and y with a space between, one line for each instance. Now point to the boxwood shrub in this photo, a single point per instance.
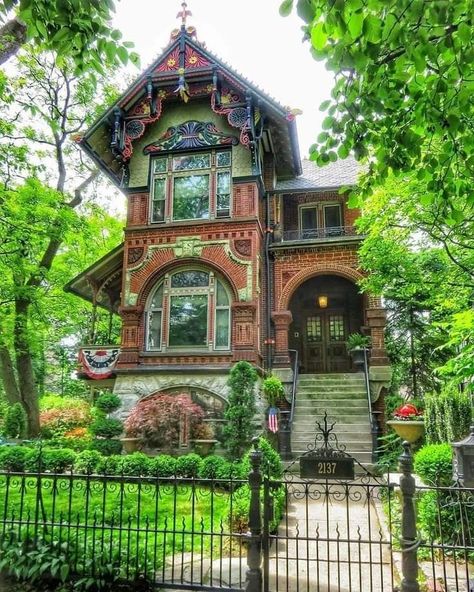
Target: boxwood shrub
pixel 188 465
pixel 106 427
pixel 162 465
pixel 106 446
pixel 108 402
pixel 88 462
pixel 434 464
pixel 13 458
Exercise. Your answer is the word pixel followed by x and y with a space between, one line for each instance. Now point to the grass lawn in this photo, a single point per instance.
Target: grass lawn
pixel 135 523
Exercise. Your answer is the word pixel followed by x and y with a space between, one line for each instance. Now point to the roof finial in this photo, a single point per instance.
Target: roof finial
pixel 184 13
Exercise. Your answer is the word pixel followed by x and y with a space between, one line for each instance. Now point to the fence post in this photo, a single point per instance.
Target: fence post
pixel 408 540
pixel 254 552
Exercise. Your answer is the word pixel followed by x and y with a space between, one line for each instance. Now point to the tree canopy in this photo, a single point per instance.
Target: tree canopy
pixel 403 97
pixel 78 30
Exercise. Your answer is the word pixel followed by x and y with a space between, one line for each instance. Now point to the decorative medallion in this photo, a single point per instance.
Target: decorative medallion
pixel 134 254
pixel 237 117
pixel 191 134
pixel 193 59
pixel 170 62
pixel 134 128
pixel 188 247
pixel 243 247
pixel 230 103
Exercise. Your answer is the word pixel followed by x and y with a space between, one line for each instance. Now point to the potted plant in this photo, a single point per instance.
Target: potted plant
pixel 408 422
pixel 273 390
pixel 357 345
pixel 203 438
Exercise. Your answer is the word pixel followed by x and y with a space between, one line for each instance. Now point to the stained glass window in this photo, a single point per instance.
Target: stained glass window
pixel 184 193
pixel 223 194
pixel 336 328
pixel 190 279
pixel 198 312
pixel 313 328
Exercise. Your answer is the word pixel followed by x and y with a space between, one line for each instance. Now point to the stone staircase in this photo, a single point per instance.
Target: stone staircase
pixel 344 397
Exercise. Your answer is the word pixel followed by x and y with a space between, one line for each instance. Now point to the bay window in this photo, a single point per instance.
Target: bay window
pixel 188 310
pixel 191 186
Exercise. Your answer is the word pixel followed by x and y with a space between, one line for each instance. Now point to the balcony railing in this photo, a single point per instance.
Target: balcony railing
pixel 316 234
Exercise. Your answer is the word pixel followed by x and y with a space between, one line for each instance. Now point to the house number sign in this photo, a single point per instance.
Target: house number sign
pixel 324 467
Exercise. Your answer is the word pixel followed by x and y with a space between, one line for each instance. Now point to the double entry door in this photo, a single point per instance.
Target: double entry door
pixel 324 343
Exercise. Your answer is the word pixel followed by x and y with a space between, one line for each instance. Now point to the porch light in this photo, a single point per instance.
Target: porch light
pixel 323 301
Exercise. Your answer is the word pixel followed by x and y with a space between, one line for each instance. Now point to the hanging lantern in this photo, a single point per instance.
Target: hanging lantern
pixel 322 301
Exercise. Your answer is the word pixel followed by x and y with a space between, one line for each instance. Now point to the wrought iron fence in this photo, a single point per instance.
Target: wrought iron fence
pixel 294 533
pixel 180 533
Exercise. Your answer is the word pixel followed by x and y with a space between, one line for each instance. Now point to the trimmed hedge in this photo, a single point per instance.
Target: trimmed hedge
pixel 106 427
pixel 108 402
pixel 106 446
pixel 434 464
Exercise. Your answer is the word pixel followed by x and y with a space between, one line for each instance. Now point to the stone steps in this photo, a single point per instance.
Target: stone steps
pixel 344 398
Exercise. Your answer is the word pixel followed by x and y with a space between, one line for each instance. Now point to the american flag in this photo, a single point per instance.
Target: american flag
pixel 273 419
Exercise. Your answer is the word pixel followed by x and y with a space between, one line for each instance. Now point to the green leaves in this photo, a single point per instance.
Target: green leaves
pixel 286 7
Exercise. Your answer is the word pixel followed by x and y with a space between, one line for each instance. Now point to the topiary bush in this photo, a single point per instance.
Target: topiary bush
pixel 433 463
pixel 13 458
pixel 156 420
pixel 15 422
pixel 88 462
pixel 271 461
pixel 216 467
pixel 136 464
pixel 239 429
pixel 188 465
pixel 162 465
pixel 54 460
pixel 108 402
pixel 106 427
pixel 106 446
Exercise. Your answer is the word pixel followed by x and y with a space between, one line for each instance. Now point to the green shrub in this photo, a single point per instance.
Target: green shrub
pixel 273 390
pixel 239 505
pixel 108 402
pixel 110 465
pixel 434 464
pixel 15 422
pixel 13 458
pixel 136 464
pixel 215 467
pixel 188 465
pixel 87 462
pixel 56 460
pixel 106 446
pixel 106 427
pixel 162 465
pixel 239 428
pixel 447 416
pixel 271 461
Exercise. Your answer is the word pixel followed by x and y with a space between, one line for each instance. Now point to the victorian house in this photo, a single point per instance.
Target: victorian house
pixel 234 248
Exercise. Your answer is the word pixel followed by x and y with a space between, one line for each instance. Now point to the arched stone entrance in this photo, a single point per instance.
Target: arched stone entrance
pixel 325 309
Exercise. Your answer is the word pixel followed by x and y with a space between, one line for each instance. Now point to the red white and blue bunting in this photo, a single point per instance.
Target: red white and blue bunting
pixel 99 363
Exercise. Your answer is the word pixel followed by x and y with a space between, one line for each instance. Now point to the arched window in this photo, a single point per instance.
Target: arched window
pixel 188 309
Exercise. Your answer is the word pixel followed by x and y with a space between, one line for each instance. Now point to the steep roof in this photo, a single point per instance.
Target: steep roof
pixel 187 65
pixel 333 175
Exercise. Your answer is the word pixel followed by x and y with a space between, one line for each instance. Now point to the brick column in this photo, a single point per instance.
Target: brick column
pixel 281 320
pixel 130 347
pixel 376 321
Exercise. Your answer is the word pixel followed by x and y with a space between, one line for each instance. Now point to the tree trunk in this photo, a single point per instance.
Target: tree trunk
pixel 24 366
pixel 7 373
pixel 12 37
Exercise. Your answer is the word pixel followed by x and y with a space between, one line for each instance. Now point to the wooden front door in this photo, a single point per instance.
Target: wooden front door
pixel 324 342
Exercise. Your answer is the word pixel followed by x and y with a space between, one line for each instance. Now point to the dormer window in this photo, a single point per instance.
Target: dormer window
pixel 193 186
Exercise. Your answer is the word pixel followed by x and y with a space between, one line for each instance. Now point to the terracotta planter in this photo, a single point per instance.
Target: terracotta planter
pixel 130 445
pixel 203 447
pixel 411 431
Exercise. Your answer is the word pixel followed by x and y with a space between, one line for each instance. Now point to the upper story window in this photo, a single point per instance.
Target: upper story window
pixel 189 309
pixel 320 219
pixel 191 186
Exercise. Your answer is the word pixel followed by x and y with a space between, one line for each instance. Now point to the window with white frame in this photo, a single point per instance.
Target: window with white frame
pixel 193 186
pixel 188 309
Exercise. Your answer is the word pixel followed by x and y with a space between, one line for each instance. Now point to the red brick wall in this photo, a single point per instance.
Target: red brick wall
pixel 145 264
